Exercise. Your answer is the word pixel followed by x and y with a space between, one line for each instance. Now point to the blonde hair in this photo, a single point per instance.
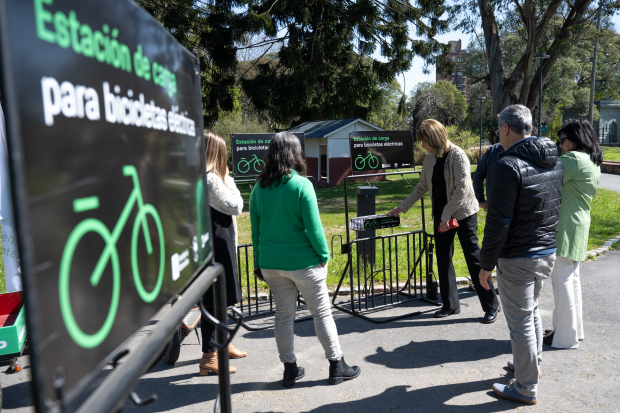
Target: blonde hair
pixel 215 153
pixel 434 134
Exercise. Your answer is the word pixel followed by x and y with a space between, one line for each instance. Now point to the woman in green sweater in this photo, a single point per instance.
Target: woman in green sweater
pixel 291 254
pixel 581 160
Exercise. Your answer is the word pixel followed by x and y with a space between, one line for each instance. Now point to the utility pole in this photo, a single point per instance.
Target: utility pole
pixel 482 98
pixel 541 57
pixel 591 109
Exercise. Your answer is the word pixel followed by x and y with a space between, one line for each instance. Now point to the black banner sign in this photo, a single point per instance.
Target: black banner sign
pixel 105 138
pixel 249 151
pixel 373 151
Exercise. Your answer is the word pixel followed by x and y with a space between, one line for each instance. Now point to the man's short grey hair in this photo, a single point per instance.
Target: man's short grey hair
pixel 518 118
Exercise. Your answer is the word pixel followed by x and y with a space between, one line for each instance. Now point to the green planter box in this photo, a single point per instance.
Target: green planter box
pixel 12 324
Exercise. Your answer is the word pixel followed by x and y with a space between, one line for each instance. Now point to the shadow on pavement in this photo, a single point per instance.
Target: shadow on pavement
pixel 17 395
pixel 436 352
pixel 448 397
pixel 429 399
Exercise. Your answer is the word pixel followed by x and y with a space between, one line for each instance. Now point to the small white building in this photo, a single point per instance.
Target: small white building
pixel 328 153
pixel 607 125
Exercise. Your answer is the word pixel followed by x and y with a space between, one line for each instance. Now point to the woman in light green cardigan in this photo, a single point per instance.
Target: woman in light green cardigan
pixel 581 160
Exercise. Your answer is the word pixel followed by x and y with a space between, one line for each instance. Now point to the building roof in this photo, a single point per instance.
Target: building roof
pixel 324 128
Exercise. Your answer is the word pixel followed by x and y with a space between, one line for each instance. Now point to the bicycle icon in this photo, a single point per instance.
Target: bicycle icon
pixel 110 254
pixel 258 165
pixel 360 161
pixel 370 225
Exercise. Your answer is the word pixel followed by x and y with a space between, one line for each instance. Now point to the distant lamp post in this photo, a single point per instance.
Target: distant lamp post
pixel 540 87
pixel 482 98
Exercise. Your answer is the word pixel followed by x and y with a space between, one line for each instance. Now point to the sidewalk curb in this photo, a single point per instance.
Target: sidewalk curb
pixel 607 245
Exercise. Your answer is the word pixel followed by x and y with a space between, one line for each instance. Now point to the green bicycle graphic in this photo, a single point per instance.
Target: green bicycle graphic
pixel 370 225
pixel 110 254
pixel 258 165
pixel 360 161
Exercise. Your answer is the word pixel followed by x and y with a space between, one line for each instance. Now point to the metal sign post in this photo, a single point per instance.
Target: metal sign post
pixel 409 253
pixel 104 121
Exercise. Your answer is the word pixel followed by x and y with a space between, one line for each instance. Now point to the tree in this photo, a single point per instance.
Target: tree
pixel 440 100
pixel 519 31
pixel 211 29
pixel 568 83
pixel 384 109
pixel 325 67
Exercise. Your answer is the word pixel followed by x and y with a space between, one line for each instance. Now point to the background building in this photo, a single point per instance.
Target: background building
pixel 457 78
pixel 607 126
pixel 328 155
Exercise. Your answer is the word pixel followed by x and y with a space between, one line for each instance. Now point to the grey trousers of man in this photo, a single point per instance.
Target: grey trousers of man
pixel 520 281
pixel 311 284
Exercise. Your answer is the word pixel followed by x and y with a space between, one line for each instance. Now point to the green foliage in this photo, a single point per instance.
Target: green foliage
pixel 386 110
pixel 326 68
pixel 440 100
pixel 210 29
pixel 563 30
pixel 472 118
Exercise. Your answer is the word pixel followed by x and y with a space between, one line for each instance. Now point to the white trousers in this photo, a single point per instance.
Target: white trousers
pixel 567 315
pixel 310 282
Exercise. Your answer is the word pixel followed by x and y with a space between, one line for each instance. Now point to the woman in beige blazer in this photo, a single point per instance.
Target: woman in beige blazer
pixel 446 176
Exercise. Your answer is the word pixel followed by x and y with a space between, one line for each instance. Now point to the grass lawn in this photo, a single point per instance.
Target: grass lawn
pixel 604 217
pixel 611 153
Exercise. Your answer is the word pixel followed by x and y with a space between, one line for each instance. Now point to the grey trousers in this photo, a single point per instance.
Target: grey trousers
pixel 520 281
pixel 311 284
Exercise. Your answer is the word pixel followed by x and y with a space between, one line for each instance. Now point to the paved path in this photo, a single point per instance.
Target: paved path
pixel 610 181
pixel 419 364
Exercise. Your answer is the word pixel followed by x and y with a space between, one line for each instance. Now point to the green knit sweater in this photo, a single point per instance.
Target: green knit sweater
pixel 286 226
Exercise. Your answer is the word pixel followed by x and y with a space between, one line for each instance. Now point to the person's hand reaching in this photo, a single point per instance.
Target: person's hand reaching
pixel 396 211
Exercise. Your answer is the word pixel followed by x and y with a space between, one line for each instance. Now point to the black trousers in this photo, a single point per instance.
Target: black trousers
pixel 444 246
pixel 207 331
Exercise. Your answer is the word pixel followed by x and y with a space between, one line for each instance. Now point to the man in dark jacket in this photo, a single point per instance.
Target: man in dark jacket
pixel 520 239
pixel 483 172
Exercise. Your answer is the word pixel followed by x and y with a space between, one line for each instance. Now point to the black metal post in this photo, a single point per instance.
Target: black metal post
pixel 219 300
pixel 540 88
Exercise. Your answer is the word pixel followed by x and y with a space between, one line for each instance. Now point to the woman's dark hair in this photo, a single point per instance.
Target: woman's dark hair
pixel 284 156
pixel 582 134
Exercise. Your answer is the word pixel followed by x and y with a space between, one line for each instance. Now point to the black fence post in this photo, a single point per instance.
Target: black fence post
pixel 219 299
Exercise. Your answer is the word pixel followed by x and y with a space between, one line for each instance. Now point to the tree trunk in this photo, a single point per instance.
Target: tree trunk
pixel 503 88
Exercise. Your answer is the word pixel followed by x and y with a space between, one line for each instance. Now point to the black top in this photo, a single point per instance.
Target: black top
pixel 524 202
pixel 440 190
pixel 224 252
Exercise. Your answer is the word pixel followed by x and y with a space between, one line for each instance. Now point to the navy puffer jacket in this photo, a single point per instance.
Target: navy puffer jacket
pixel 524 202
